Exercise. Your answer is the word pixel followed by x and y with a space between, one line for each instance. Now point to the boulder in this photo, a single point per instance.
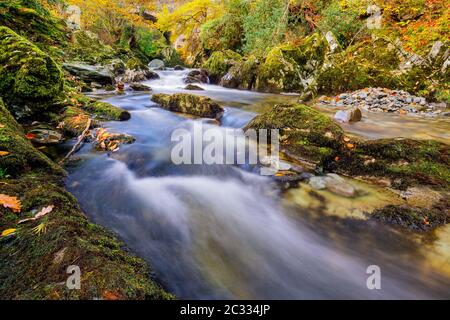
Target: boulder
pixel 189 104
pixel 349 115
pixel 193 87
pixel 139 87
pixel 289 68
pixel 90 73
pixel 305 133
pixel 178 68
pixel 197 76
pixel 30 80
pixel 138 75
pixel 220 62
pixel 156 64
pixel 242 75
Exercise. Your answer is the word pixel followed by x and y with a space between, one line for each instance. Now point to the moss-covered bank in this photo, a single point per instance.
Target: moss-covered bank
pixel 309 135
pixel 34 259
pixel 30 80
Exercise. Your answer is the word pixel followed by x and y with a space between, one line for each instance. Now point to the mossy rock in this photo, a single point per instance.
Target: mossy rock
pixel 305 133
pixel 190 104
pixel 30 80
pixel 34 266
pixel 289 68
pixel 365 64
pixel 22 155
pixel 242 75
pixel 220 62
pixel 136 64
pixel 32 20
pixel 107 111
pixel 86 46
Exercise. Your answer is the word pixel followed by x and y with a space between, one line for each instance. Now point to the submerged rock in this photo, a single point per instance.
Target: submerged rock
pixel 193 87
pixel 333 183
pixel 136 86
pixel 349 115
pixel 189 104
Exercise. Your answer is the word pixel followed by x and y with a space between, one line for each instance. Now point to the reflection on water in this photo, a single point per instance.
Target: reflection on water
pixel 376 125
pixel 223 231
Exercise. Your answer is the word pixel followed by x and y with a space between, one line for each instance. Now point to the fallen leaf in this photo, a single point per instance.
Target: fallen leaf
pixel 2 125
pixel 10 202
pixel 109 295
pixel 39 215
pixel 40 229
pixel 337 159
pixel 350 145
pixel 30 136
pixel 347 139
pixel 3 153
pixel 7 232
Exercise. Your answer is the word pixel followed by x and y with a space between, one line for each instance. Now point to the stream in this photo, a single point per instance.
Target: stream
pixel 225 232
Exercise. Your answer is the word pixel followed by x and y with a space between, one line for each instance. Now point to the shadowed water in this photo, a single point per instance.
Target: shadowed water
pixel 222 231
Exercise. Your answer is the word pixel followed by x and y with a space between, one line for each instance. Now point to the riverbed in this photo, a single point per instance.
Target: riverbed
pixel 225 232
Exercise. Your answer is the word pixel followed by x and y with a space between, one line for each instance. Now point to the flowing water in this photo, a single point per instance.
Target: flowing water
pixel 216 231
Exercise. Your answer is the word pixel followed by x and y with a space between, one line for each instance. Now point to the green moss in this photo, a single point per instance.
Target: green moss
pixel 406 162
pixel 189 104
pixel 31 20
pixel 220 62
pixel 107 111
pixel 136 64
pixel 415 219
pixel 305 132
pixel 366 64
pixel 30 80
pixel 289 68
pixel 34 266
pixel 242 75
pixel 85 46
pixel 22 155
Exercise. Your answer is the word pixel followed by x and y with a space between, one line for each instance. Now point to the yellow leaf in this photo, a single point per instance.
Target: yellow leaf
pixel 3 153
pixel 10 202
pixel 8 232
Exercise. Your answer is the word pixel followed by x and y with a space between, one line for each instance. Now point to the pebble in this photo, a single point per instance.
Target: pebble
pixel 386 100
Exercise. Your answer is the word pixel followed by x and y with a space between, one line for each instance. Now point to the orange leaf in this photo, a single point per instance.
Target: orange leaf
pixel 350 145
pixel 109 295
pixel 10 202
pixel 3 153
pixel 30 136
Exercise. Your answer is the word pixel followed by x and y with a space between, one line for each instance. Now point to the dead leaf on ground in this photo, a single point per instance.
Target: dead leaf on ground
pixel 39 215
pixel 109 295
pixel 7 232
pixel 3 153
pixel 10 202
